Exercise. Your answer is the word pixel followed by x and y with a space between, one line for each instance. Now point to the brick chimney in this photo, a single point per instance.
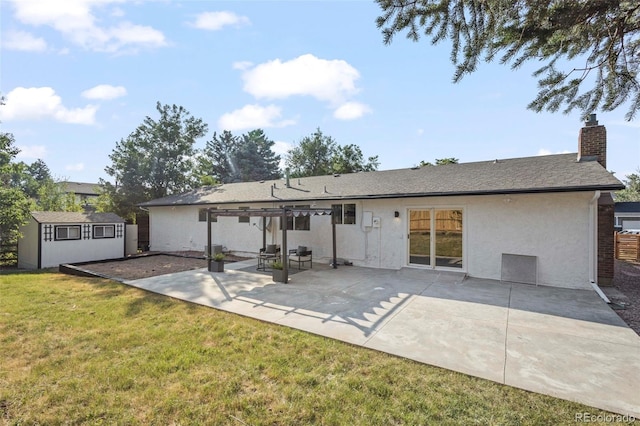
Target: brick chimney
pixel 592 145
pixel 592 142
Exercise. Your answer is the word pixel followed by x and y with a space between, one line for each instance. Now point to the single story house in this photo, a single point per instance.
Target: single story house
pixel 86 194
pixel 52 238
pixel 627 215
pixel 545 219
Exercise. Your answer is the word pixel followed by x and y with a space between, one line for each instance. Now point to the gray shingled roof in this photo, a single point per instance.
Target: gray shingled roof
pixel 627 207
pixel 81 188
pixel 76 217
pixel 552 173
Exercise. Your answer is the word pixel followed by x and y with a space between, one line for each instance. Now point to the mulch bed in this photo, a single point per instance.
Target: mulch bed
pixel 152 264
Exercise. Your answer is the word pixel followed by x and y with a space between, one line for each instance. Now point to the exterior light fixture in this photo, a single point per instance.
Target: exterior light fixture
pixel 397 213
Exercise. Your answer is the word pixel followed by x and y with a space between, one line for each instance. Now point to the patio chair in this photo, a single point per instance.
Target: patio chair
pixel 301 256
pixel 268 255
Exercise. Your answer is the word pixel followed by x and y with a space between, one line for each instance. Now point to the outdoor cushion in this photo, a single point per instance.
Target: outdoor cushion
pixel 271 249
pixel 301 250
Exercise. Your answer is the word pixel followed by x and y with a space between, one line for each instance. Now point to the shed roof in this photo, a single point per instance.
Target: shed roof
pixel 552 173
pixel 76 217
pixel 627 207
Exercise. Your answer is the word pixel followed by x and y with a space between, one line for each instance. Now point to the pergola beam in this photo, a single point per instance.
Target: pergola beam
pixel 283 213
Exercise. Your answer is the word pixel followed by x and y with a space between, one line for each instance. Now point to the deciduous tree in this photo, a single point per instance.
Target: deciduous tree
pixel 155 160
pixel 14 204
pixel 440 161
pixel 319 154
pixel 579 42
pixel 311 156
pixel 349 159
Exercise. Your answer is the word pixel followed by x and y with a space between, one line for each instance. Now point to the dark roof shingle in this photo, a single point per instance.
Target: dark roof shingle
pixel 552 173
pixel 76 217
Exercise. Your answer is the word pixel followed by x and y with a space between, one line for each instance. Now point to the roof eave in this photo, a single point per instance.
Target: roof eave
pixel 611 187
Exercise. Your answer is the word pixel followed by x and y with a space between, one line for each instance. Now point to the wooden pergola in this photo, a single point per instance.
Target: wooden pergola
pixel 283 213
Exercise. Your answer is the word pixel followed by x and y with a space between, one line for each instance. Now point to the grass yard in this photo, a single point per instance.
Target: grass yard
pixel 91 351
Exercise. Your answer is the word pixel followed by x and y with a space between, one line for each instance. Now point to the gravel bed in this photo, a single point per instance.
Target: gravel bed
pixel 625 293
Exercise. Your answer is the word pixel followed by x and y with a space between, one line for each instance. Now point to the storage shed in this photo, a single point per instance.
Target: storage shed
pixel 52 238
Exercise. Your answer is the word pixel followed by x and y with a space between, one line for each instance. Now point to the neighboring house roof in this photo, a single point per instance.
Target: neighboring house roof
pixel 552 173
pixel 627 207
pixel 81 188
pixel 76 217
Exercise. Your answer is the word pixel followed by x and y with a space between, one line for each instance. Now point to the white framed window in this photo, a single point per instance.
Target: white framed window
pixel 344 214
pixel 104 231
pixel 202 215
pixel 67 232
pixel 244 219
pixel 300 223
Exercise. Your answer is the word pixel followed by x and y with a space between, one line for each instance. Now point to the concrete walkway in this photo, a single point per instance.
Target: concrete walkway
pixel 559 342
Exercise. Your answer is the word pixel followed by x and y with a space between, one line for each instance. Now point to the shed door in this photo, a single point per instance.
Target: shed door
pixel 435 237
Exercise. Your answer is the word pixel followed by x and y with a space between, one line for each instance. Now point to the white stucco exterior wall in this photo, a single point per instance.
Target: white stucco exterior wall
pixel 28 246
pixel 552 227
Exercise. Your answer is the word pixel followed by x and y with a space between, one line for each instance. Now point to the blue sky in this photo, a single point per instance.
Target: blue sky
pixel 79 75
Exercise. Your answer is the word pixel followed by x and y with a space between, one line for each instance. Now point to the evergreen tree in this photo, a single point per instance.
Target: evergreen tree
pixel 599 36
pixel 217 158
pixel 228 158
pixel 255 157
pixel 632 190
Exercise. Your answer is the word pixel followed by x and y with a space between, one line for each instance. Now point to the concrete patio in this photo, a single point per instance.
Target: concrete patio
pixel 559 342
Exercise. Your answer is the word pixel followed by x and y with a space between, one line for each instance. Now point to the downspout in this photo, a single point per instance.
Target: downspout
pixel 593 245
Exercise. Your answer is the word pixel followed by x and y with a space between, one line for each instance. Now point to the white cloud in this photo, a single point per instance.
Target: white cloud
pixel 281 148
pixel 306 75
pixel 544 151
pixel 31 152
pixel 78 167
pixel 252 117
pixel 21 40
pixel 104 92
pixel 214 21
pixel 351 111
pixel 242 65
pixel 75 19
pixel 36 103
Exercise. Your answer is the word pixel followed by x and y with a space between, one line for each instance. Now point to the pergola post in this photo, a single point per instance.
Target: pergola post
pixel 333 234
pixel 264 232
pixel 208 239
pixel 283 255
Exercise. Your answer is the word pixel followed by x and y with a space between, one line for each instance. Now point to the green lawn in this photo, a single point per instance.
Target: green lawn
pixel 91 351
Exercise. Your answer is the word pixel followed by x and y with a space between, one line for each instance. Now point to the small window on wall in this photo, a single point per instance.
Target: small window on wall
pixel 344 214
pixel 104 231
pixel 67 232
pixel 243 219
pixel 349 214
pixel 300 223
pixel 202 215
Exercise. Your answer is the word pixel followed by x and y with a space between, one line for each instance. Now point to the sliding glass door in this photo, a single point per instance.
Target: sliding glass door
pixel 435 237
